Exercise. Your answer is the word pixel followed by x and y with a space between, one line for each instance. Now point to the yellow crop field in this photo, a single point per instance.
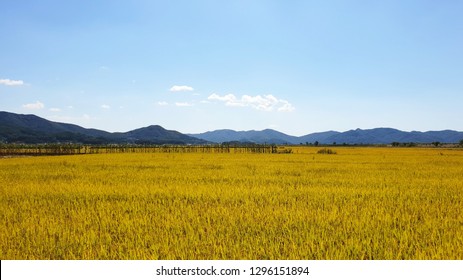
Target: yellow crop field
pixel 360 203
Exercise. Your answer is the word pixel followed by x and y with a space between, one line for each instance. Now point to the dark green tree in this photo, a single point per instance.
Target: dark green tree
pixel 436 144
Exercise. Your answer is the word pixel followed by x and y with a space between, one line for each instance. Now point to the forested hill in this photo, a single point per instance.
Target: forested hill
pixel 31 129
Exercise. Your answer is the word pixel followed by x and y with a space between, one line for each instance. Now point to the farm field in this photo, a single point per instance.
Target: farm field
pixel 360 203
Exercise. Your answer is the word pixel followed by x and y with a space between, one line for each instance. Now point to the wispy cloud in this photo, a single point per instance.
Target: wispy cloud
pixel 55 110
pixel 285 106
pixel 105 106
pixel 258 102
pixel 229 99
pixel 34 106
pixel 163 103
pixel 183 104
pixel 181 88
pixel 8 82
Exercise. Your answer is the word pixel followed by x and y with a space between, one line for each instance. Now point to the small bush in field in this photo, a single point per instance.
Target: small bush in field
pixel 326 151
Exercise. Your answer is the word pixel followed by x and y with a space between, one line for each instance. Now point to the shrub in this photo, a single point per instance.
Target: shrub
pixel 326 151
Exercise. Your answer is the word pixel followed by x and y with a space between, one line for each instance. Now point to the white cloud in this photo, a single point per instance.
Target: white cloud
pixel 8 82
pixel 286 107
pixel 163 103
pixel 262 103
pixel 181 88
pixel 105 106
pixel 34 106
pixel 183 104
pixel 55 109
pixel 228 99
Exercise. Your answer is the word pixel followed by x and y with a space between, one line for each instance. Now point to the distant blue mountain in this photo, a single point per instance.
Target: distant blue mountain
pixel 389 135
pixel 261 137
pixel 357 136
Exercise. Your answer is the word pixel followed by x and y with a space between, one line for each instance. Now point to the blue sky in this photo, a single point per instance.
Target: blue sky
pixel 193 66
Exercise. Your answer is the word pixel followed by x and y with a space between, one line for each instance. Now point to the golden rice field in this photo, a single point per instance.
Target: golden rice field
pixel 361 203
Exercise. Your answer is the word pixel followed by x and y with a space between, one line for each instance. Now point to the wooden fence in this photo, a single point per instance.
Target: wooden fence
pixel 73 149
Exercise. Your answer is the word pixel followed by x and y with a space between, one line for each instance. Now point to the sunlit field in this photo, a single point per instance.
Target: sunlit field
pixel 360 203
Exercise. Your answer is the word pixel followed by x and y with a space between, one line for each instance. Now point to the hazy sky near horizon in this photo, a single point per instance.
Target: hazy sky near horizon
pixel 294 66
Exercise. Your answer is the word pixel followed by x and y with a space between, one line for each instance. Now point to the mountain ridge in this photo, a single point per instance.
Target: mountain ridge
pixel 382 135
pixel 20 128
pixel 32 129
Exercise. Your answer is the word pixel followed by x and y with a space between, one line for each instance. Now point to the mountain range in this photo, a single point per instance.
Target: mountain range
pixel 357 136
pixel 17 128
